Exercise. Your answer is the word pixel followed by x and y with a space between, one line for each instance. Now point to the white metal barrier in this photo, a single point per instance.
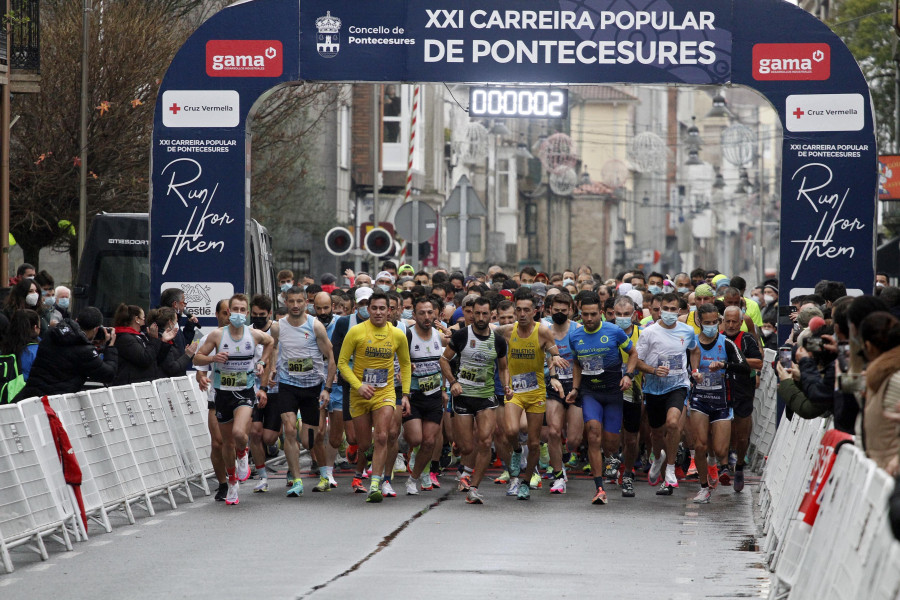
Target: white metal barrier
pixel 765 413
pixel 133 443
pixel 35 502
pixel 849 551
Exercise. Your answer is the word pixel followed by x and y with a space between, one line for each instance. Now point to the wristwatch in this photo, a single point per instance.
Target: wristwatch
pixel 554 377
pixel 261 362
pixel 264 388
pixel 327 388
pixel 630 375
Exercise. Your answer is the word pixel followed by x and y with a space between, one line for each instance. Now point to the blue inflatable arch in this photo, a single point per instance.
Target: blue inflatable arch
pixel 200 190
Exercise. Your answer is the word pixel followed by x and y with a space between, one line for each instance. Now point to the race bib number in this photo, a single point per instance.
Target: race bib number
pixel 300 365
pixel 430 384
pixel 591 365
pixel 376 377
pixel 422 369
pixel 474 376
pixel 711 381
pixel 230 379
pixel 565 373
pixel 675 362
pixel 524 382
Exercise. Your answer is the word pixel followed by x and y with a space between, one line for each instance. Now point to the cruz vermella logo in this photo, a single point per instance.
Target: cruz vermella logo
pixel 244 58
pixel 791 62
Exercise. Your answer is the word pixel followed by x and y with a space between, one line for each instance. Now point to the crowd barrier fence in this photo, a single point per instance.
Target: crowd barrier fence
pixel 133 443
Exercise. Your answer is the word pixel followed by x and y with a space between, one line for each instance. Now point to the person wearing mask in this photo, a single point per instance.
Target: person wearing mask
pixel 174 298
pixel 63 297
pixel 880 333
pixel 48 291
pixel 770 297
pixel 67 357
pixel 25 271
pixel 20 344
pixel 139 353
pixel 25 294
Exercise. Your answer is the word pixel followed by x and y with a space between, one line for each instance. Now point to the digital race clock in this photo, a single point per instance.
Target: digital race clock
pixel 518 102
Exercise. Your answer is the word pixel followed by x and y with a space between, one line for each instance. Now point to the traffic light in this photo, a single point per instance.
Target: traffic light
pixel 339 241
pixel 379 242
pixel 424 249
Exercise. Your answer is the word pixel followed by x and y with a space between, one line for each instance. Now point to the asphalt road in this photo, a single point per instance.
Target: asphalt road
pixel 334 545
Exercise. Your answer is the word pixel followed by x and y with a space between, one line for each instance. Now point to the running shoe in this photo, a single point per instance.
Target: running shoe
pixel 242 467
pixel 586 468
pixel 357 486
pixel 524 492
pixel 387 490
pixel 435 481
pixel 679 472
pixel 425 482
pixel 262 486
pixel 412 486
pixel 465 482
pixel 559 486
pixel 671 480
pixel 296 489
pixel 232 496
pixel 544 460
pixel 599 497
pixel 665 490
pixel 513 488
pixel 573 460
pixel 627 487
pixel 374 494
pixel 712 476
pixel 702 496
pixel 288 482
pixel 222 492
pixel 352 454
pixel 331 480
pixel 732 459
pixel 692 470
pixel 611 472
pixel 341 464
pixel 503 479
pixel 515 465
pixel 653 477
pixel 323 486
pixel 535 482
pixel 399 464
pixel 474 496
pixel 724 475
pixel 738 481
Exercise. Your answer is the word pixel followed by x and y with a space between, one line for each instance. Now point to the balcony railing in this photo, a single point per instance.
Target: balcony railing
pixel 25 36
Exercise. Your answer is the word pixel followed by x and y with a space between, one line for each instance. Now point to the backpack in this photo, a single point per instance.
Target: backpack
pixel 11 379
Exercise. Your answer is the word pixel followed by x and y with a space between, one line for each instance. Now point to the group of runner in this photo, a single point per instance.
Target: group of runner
pixel 493 368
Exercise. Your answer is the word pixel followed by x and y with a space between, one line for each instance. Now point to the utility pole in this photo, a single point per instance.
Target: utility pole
pixel 85 95
pixel 4 164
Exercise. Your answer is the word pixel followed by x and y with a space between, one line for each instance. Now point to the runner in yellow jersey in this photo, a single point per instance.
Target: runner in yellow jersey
pixel 372 344
pixel 702 295
pixel 529 342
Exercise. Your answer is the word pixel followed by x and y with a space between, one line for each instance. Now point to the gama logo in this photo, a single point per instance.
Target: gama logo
pixel 791 62
pixel 244 58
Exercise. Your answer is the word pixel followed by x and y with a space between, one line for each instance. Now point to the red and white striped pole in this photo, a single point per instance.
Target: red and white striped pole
pixel 409 165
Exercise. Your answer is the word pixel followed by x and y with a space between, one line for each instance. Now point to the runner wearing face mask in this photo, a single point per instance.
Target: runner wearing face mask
pixel 266 426
pixel 562 415
pixel 663 360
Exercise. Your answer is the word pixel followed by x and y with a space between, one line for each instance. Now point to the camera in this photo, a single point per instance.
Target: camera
pixel 814 344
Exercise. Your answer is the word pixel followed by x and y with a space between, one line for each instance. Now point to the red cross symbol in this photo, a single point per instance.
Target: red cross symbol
pixel 175 108
pixel 798 113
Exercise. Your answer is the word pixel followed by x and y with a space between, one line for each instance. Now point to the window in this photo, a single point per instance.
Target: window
pixel 397 101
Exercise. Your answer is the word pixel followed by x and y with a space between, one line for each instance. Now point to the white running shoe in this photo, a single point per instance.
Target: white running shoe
pixel 387 490
pixel 425 482
pixel 412 486
pixel 558 487
pixel 399 464
pixel 702 496
pixel 656 467
pixel 232 496
pixel 331 480
pixel 242 467
pixel 513 488
pixel 262 486
pixel 671 479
